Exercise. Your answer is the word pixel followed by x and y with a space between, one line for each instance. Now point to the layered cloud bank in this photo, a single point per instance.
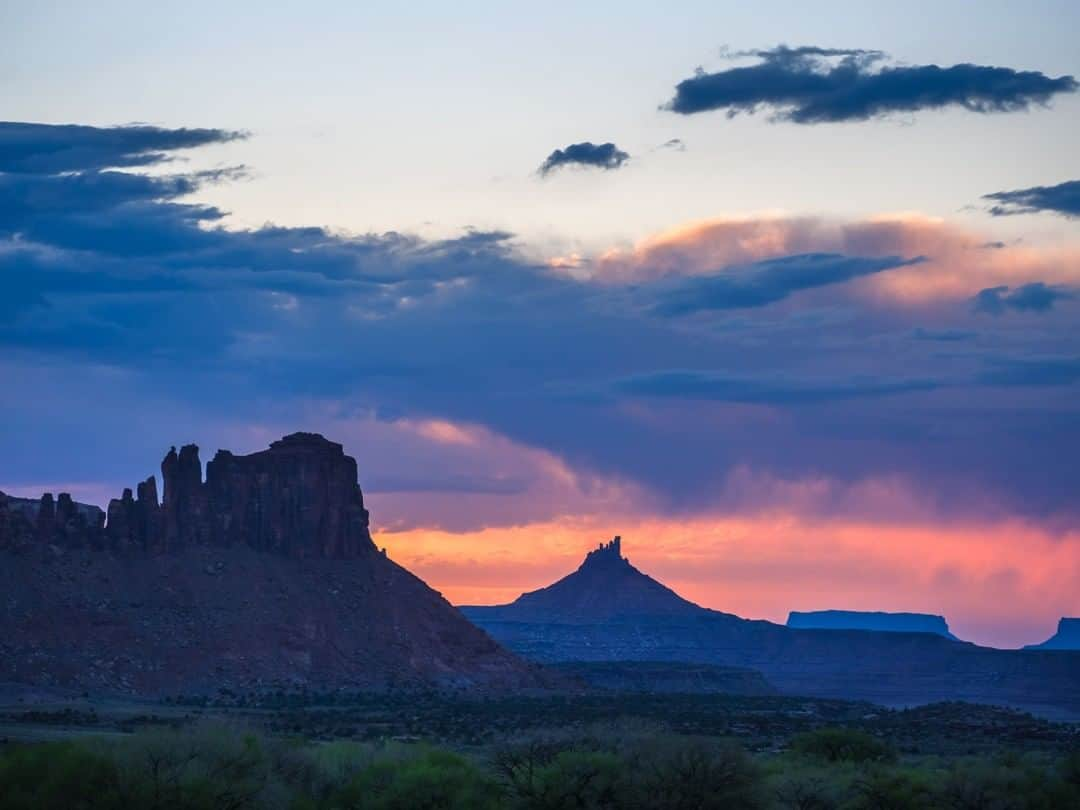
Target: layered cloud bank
pixel 895 379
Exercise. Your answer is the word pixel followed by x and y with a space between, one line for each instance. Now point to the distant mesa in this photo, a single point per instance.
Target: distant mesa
pixel 870 620
pixel 1067 637
pixel 263 576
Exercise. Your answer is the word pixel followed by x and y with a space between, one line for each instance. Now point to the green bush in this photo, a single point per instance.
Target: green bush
pixel 206 766
pixel 230 767
pixel 1005 783
pixel 670 772
pixel 797 787
pixel 57 776
pixel 431 779
pixel 579 779
pixel 842 745
pixel 893 789
pixel 318 772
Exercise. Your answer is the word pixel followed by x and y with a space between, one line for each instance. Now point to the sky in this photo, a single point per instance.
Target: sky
pixel 784 295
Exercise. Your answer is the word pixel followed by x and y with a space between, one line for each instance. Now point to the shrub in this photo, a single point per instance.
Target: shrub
pixel 691 773
pixel 319 772
pixel 802 789
pixel 431 779
pixel 208 765
pixel 889 789
pixel 57 776
pixel 588 780
pixel 842 745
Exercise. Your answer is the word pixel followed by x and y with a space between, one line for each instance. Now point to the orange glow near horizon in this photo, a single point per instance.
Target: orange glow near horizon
pixel 1003 585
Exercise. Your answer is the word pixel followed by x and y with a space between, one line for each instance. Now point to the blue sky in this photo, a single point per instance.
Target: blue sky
pixel 431 117
pixel 334 218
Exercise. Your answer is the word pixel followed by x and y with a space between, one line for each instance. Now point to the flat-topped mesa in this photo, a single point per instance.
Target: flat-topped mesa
pixel 1067 637
pixel 877 621
pixel 299 498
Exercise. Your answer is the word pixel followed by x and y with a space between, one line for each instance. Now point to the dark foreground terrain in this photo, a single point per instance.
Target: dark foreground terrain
pixel 598 750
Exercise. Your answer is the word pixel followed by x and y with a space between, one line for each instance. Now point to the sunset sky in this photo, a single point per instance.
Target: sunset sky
pixel 787 297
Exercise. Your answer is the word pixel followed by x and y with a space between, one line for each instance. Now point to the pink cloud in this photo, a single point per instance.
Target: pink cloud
pixel 960 261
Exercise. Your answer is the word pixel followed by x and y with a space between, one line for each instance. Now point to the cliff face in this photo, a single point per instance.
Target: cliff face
pixel 299 499
pixel 870 620
pixel 1067 637
pixel 262 576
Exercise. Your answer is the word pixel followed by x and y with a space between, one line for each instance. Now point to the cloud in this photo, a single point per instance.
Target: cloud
pixel 956 268
pixel 943 335
pixel 769 281
pixel 758 390
pixel 809 85
pixel 598 155
pixel 51 149
pixel 1033 297
pixel 1064 199
pixel 1031 371
pixel 120 293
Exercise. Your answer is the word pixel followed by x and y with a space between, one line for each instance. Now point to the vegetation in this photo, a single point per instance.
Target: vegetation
pixel 231 766
pixel 759 725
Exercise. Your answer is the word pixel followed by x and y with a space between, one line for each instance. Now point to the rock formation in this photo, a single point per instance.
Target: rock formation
pixel 60 522
pixel 870 620
pixel 300 499
pixel 604 586
pixel 263 576
pixel 609 611
pixel 1067 637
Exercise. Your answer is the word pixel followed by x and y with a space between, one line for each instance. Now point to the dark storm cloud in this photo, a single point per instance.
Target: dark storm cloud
pixel 50 149
pixel 1064 198
pixel 769 281
pixel 759 390
pixel 943 335
pixel 1034 297
pixel 475 485
pixel 121 295
pixel 809 85
pixel 1025 372
pixel 597 155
